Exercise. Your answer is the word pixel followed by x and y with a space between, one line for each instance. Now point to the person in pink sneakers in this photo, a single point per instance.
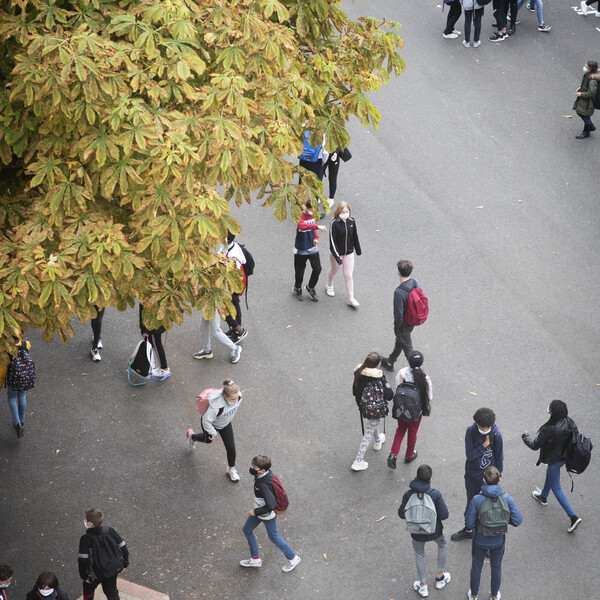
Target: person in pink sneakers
pixel 222 407
pixel 264 511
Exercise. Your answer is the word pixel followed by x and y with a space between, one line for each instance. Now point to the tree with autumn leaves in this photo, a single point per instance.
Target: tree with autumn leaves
pixel 128 126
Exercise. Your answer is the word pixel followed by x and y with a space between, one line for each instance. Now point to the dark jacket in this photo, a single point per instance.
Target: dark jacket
pixel 343 238
pixel 401 301
pixel 367 376
pixel 85 543
pixel 263 489
pixel 58 594
pixel 584 104
pixel 416 485
pixel 480 458
pixel 472 514
pixel 551 441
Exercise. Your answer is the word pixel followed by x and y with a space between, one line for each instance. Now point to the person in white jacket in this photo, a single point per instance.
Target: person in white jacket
pixel 222 407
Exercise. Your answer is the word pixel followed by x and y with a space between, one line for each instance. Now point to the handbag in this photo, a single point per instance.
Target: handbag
pixel 345 154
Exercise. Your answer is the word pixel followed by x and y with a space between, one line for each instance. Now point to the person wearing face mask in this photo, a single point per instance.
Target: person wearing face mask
pixel 222 407
pixel 484 448
pixel 552 440
pixel 343 244
pixel 46 588
pixel 6 575
pixel 306 249
pixel 586 93
pixel 264 512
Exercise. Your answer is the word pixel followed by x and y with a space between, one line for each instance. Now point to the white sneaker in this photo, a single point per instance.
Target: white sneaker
pixel 584 8
pixel 442 583
pixel 100 346
pixel 291 565
pixel 598 12
pixel 161 374
pixel 421 589
pixel 456 31
pixel 377 445
pixel 470 596
pixel 191 442
pixel 477 44
pixel 233 474
pixel 251 562
pixel 449 36
pixel 359 465
pixel 353 302
pixel 329 291
pixel 96 355
pixel 466 44
pixel 235 355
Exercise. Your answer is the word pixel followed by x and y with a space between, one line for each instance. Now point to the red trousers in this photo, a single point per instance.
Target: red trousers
pixel 411 442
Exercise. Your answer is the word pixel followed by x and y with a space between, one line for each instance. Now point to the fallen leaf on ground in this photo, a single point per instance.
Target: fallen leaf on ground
pixel 325 555
pixel 472 393
pixel 480 206
pixel 567 116
pixel 380 519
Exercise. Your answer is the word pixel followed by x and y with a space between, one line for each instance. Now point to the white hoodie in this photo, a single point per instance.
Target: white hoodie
pixel 211 421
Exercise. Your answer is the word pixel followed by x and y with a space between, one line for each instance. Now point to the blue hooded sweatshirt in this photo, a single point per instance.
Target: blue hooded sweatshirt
pixel 480 458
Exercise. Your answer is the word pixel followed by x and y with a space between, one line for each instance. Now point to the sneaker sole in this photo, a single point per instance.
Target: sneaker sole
pixel 236 360
pixel 574 526
pixel 208 356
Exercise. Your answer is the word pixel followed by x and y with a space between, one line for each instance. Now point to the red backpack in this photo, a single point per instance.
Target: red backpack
pixel 417 308
pixel 280 496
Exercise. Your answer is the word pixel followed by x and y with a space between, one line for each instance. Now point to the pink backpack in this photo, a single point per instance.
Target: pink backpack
pixel 202 400
pixel 417 308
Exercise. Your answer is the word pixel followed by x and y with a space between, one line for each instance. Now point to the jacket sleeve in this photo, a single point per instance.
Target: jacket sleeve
pixel 207 421
pixel 398 309
pixel 388 392
pixel 592 89
pixel 121 542
pixel 83 561
pixel 499 452
pixel 402 506
pixel 536 443
pixel 332 247
pixel 472 510
pixel 516 518
pixel 472 450
pixel 60 594
pixel 304 226
pixel 440 507
pixel 355 241
pixel 269 497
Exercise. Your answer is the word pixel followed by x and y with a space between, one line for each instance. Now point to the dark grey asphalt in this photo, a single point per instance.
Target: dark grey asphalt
pixel 476 176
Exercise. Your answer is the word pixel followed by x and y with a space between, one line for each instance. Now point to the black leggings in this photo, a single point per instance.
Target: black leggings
pixel 226 435
pixel 510 6
pixel 475 16
pixel 500 14
pixel 97 326
pixel 332 168
pixel 234 321
pixel 300 266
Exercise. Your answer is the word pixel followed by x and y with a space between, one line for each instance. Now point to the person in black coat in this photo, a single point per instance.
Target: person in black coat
pixel 552 441
pixel 46 588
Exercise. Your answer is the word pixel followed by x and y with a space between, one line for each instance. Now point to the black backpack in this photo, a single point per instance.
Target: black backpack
pixel 105 555
pixel 21 371
pixel 407 403
pixel 597 98
pixel 248 267
pixel 579 452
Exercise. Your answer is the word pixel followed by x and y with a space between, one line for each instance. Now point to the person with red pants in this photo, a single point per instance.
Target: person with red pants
pixel 412 374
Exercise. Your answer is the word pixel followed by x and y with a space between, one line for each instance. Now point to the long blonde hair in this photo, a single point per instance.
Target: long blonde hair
pixel 339 208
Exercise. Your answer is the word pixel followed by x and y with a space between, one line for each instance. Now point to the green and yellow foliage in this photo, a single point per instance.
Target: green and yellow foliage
pixel 127 127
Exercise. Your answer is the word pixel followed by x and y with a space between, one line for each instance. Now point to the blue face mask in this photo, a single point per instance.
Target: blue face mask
pixel 585 69
pixel 230 403
pixel 4 585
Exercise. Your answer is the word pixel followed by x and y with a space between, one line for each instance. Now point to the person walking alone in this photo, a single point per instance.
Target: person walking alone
pixel 586 92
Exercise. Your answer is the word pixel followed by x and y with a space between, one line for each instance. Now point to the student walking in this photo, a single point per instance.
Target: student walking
pixel 420 486
pixel 236 332
pixel 96 324
pixel 413 374
pixel 46 588
pixel 343 244
pixel 210 328
pixel 473 13
pixel 307 250
pixel 159 373
pixel 20 377
pixel 552 440
pixel 484 448
pixel 586 92
pixel 536 6
pixel 265 504
pixel 223 404
pixel 585 7
pixel 96 565
pixel 372 393
pixel 489 514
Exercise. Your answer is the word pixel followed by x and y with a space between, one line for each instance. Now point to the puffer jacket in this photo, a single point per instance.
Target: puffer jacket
pixel 551 441
pixel 584 104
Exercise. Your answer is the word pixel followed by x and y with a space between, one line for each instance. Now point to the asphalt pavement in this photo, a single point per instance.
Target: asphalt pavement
pixel 474 175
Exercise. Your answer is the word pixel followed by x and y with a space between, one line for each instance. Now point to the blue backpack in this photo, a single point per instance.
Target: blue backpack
pixel 310 153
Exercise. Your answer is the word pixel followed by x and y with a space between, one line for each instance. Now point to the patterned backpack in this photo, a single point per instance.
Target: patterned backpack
pixel 372 402
pixel 21 372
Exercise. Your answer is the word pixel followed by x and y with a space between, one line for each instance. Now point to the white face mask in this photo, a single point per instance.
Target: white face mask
pixel 585 69
pixel 85 524
pixel 4 585
pixel 484 432
pixel 344 215
pixel 47 592
pixel 548 409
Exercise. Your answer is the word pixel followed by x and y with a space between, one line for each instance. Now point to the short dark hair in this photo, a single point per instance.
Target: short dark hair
pixel 424 473
pixel 485 417
pixel 6 572
pixel 405 268
pixel 262 462
pixel 47 578
pixel 95 516
pixel 492 476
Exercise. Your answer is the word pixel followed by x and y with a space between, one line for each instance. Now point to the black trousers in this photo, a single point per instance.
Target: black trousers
pixel 453 16
pixel 500 13
pixel 510 7
pixel 228 440
pixel 332 168
pixel 155 340
pixel 300 266
pixel 475 16
pixel 403 342
pixel 109 587
pixel 234 320
pixel 97 326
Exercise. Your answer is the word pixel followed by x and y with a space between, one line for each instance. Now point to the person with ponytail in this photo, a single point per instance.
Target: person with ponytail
pixel 370 375
pixel 412 374
pixel 222 407
pixel 552 441
pixel 46 588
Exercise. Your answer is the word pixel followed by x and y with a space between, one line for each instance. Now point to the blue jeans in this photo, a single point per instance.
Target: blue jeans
pixel 478 554
pixel 17 401
pixel 538 8
pixel 271 526
pixel 553 483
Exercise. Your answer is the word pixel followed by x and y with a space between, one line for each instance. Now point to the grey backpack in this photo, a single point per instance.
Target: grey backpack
pixel 420 514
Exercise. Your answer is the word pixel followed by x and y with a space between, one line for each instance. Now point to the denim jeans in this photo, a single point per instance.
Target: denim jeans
pixel 538 8
pixel 478 556
pixel 553 483
pixel 17 401
pixel 587 120
pixel 271 526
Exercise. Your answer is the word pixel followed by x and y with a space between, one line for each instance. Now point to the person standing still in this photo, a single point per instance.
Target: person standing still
pixel 454 13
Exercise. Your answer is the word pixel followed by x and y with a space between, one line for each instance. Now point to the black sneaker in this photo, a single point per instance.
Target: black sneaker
pixel 297 293
pixel 530 8
pixel 387 365
pixel 575 520
pixel 313 294
pixel 462 534
pixel 392 461
pixel 20 430
pixel 231 333
pixel 497 37
pixel 409 460
pixel 541 499
pixel 511 30
pixel 239 337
